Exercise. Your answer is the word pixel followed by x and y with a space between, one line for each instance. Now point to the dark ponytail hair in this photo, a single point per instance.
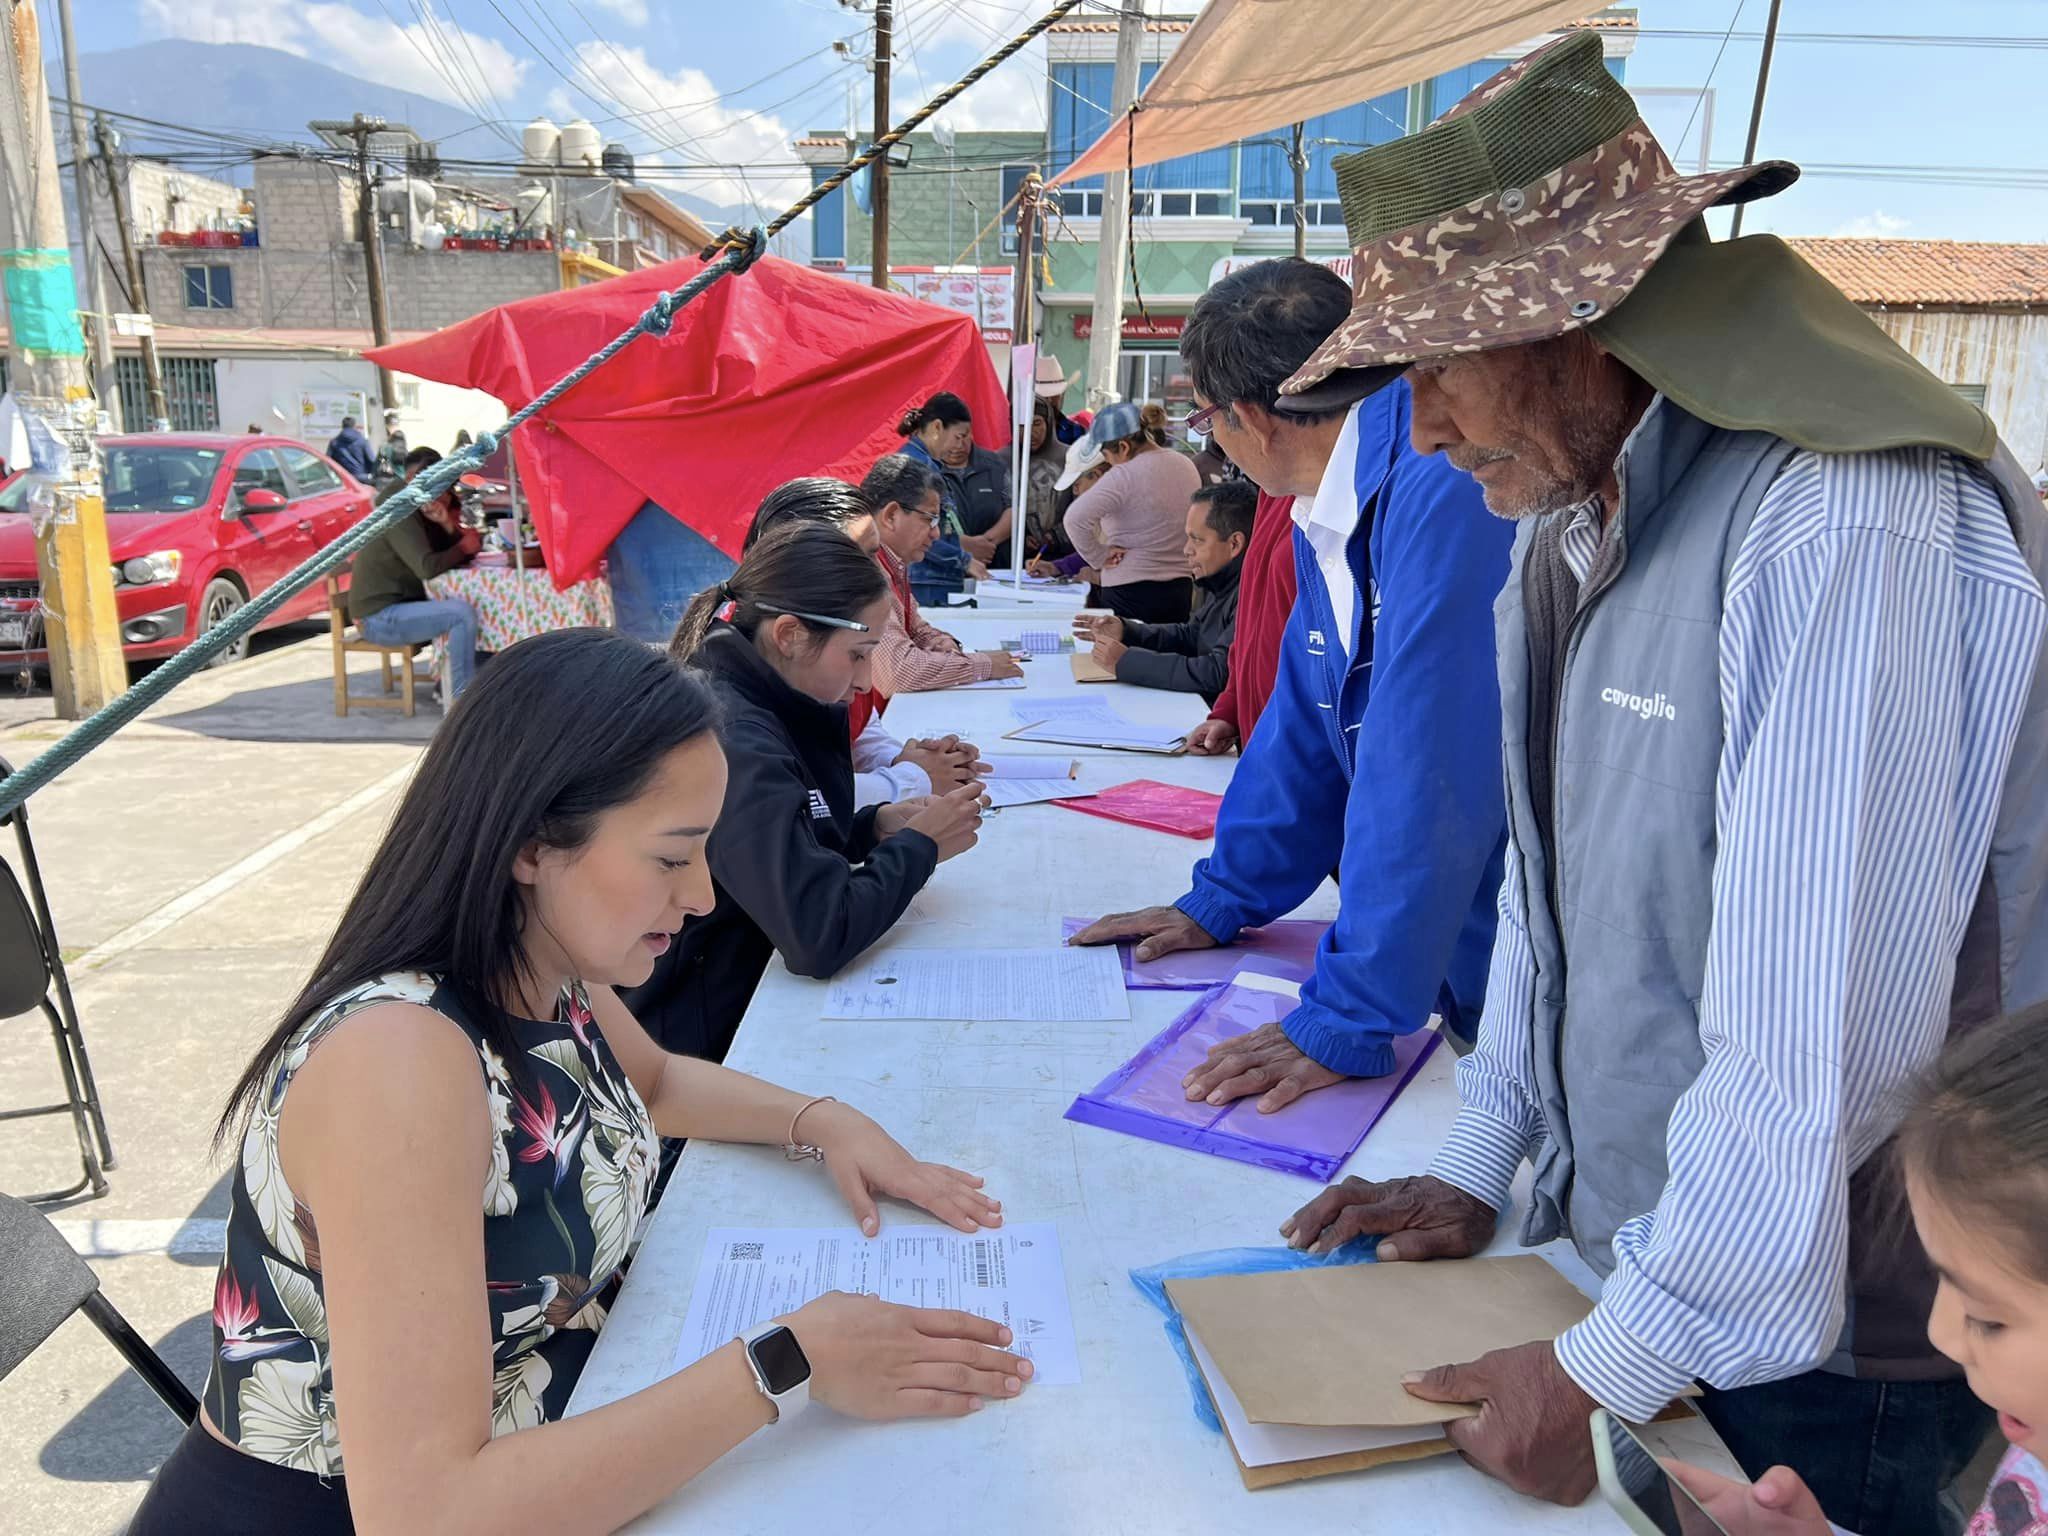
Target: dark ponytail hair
pixel 946 409
pixel 1976 1135
pixel 1153 415
pixel 438 895
pixel 812 499
pixel 804 567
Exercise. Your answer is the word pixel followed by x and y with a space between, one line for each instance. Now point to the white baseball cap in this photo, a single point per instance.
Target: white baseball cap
pixel 1083 454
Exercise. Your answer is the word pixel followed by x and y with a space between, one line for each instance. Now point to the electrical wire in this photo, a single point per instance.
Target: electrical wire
pixel 1700 100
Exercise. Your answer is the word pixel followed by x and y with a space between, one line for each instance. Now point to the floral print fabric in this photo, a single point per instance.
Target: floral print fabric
pixel 2017 1503
pixel 573 1158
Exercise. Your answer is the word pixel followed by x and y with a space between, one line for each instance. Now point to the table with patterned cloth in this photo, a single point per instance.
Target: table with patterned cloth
pixel 512 605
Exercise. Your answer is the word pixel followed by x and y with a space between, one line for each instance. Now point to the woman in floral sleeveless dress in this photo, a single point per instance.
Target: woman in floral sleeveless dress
pixel 447 1147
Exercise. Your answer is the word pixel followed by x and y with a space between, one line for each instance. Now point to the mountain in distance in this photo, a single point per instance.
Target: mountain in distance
pixel 248 90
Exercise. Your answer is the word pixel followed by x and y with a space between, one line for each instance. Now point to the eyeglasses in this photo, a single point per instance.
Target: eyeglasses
pixel 813 618
pixel 1198 421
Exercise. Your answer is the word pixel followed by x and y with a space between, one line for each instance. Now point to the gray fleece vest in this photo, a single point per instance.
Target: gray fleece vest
pixel 1621 954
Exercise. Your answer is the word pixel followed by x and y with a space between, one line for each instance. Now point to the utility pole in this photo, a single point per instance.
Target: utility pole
pixel 46 369
pixel 1297 156
pixel 1756 111
pixel 1112 249
pixel 1022 323
pixel 360 129
pixel 138 291
pixel 878 173
pixel 81 170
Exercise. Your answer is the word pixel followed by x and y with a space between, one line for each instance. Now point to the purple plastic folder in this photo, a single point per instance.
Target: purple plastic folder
pixel 1312 1136
pixel 1286 949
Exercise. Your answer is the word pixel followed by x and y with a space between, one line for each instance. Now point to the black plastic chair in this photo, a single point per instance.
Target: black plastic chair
pixel 31 968
pixel 43 1282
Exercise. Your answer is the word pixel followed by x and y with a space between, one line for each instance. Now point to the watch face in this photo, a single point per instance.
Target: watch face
pixel 781 1360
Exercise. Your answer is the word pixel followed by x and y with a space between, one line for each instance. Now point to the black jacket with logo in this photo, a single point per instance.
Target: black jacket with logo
pixel 1193 657
pixel 794 868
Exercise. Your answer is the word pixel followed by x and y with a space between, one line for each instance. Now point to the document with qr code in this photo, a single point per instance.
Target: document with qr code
pixel 752 1275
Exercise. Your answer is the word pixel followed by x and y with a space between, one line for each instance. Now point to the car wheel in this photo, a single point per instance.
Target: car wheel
pixel 221 598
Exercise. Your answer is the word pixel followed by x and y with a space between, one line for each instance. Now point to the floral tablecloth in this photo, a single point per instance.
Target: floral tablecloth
pixel 514 605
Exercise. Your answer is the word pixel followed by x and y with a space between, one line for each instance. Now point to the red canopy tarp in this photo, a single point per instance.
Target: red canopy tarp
pixel 776 372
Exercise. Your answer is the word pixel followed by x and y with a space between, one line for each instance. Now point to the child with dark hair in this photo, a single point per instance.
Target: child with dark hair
pixel 784 642
pixel 1974 1155
pixel 1192 656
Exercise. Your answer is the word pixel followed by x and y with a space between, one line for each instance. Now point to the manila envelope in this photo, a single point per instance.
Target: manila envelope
pixel 1330 1346
pixel 1088 670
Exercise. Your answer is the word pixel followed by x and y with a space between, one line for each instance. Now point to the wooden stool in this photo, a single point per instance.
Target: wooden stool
pixel 347 642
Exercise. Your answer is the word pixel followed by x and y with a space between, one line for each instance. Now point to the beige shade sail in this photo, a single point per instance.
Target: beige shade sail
pixel 1249 66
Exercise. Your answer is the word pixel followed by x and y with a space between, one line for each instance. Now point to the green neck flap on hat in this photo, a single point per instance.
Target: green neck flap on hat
pixel 1745 335
pixel 1565 106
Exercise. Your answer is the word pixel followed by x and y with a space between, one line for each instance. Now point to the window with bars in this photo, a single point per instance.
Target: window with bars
pixel 189 393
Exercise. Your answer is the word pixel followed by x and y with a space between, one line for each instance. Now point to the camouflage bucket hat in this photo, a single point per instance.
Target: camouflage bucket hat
pixel 1531 208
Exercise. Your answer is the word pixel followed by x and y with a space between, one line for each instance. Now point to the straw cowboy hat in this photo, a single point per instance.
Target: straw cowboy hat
pixel 1532 208
pixel 1049 382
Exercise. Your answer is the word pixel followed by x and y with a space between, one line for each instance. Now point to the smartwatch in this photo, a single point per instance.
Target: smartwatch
pixel 781 1369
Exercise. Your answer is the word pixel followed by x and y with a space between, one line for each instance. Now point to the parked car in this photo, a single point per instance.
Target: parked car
pixel 197 524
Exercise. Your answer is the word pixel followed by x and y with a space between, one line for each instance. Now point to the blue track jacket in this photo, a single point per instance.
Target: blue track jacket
pixel 1397 743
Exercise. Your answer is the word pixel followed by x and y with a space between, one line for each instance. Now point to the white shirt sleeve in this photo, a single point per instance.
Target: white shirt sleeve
pixel 878 779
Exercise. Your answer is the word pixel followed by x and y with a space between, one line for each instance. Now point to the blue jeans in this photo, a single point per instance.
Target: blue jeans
pixel 656 566
pixel 1877 1454
pixel 417 623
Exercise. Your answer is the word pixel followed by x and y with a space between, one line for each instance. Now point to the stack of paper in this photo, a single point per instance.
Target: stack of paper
pixel 1091 723
pixel 1039 986
pixel 1020 780
pixel 1305 1365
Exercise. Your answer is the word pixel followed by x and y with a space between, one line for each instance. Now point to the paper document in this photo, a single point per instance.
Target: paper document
pixel 1008 792
pixel 1269 1445
pixel 1013 1275
pixel 1040 642
pixel 1018 766
pixel 988 682
pixel 1032 985
pixel 1089 723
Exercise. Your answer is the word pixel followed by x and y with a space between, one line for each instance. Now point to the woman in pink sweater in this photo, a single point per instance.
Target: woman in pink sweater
pixel 1139 511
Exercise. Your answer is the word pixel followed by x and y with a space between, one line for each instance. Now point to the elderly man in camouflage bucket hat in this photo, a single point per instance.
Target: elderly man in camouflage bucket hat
pixel 1776 741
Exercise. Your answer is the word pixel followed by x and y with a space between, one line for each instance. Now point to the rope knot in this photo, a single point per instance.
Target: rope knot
pixel 661 314
pixel 485 443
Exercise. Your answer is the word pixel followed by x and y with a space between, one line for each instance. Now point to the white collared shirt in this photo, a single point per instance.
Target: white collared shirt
pixel 1328 522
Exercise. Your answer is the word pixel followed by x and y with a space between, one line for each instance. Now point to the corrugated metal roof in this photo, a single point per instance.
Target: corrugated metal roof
pixel 1944 274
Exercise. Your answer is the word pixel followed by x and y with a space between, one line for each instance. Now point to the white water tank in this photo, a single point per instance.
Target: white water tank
pixel 582 145
pixel 536 207
pixel 407 194
pixel 541 142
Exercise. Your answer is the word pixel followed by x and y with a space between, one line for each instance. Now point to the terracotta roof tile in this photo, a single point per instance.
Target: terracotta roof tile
pixel 1943 274
pixel 829 142
pixel 1152 24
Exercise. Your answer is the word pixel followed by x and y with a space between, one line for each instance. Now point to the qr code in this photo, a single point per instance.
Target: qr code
pixel 744 1251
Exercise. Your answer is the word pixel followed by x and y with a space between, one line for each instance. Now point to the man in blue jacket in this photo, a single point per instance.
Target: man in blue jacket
pixel 352 451
pixel 1384 720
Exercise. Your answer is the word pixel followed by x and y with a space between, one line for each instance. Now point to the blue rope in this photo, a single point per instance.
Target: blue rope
pixel 426 486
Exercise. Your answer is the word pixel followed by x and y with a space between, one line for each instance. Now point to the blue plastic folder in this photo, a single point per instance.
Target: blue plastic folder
pixel 1229 1261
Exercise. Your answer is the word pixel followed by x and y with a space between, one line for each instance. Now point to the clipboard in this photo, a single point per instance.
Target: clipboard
pixel 1050 735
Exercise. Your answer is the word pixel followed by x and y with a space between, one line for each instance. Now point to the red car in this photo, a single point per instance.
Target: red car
pixel 197 524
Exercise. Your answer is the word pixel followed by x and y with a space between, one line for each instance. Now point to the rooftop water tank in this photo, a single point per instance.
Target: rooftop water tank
pixel 541 142
pixel 581 145
pixel 618 162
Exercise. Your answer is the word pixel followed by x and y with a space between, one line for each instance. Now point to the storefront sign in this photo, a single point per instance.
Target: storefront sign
pixel 987 295
pixel 1136 327
pixel 321 411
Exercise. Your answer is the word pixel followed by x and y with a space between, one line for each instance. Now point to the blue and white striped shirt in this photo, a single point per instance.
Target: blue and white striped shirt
pixel 1879 633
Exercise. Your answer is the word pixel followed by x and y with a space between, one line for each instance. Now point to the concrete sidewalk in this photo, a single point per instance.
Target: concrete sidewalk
pixel 195 866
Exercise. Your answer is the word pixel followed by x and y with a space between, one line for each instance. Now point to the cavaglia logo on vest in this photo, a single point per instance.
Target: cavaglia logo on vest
pixel 1655 707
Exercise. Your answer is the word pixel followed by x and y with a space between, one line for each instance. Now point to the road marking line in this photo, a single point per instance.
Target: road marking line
pixel 104 1237
pixel 147 927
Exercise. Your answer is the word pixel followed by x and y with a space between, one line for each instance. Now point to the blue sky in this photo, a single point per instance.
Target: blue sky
pixel 702 63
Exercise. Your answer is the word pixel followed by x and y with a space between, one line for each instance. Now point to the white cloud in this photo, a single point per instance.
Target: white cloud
pixel 679 120
pixel 1876 225
pixel 1011 96
pixel 632 12
pixel 412 58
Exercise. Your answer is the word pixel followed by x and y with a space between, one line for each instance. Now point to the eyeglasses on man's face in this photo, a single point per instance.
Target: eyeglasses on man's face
pixel 1197 422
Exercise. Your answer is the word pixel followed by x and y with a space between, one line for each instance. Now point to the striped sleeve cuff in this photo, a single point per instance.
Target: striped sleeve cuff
pixel 1481 1156
pixel 1616 1369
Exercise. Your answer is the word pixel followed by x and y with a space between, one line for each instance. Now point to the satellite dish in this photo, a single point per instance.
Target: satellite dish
pixel 943 134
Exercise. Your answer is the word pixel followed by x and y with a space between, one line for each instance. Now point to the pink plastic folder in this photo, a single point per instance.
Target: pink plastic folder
pixel 1311 1137
pixel 1286 949
pixel 1148 803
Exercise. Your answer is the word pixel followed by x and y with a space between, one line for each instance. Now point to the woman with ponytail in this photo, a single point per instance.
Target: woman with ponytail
pixel 784 643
